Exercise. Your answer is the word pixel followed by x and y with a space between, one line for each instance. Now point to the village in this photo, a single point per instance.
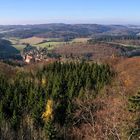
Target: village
pixel 32 54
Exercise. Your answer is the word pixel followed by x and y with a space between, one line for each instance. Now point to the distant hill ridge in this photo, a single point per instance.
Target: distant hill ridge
pixel 60 30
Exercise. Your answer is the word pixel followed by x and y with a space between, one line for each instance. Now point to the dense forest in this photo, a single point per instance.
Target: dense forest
pixel 70 101
pixel 7 51
pixel 40 103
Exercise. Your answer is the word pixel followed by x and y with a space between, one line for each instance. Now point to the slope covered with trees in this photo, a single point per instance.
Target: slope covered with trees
pixel 40 104
pixel 135 108
pixel 7 50
pixel 66 30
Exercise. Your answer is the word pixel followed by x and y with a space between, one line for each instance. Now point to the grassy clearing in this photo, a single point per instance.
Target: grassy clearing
pixel 32 40
pixel 35 41
pixel 50 45
pixel 51 41
pixel 38 42
pixel 14 41
pixel 19 47
pixel 80 40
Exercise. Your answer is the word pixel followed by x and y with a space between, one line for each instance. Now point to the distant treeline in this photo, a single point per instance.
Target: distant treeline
pixel 113 38
pixel 66 30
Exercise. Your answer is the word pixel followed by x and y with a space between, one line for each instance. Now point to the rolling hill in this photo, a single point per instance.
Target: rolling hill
pixel 66 31
pixel 7 51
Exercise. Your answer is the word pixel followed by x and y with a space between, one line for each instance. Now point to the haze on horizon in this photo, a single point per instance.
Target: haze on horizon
pixel 72 11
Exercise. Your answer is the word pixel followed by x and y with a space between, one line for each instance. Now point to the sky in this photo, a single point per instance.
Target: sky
pixel 70 11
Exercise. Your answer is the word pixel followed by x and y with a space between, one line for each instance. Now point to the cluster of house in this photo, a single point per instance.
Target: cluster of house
pixel 35 55
pixel 29 58
pixel 32 54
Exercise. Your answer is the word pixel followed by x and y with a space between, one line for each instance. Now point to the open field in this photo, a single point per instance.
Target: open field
pixel 80 40
pixel 32 40
pixel 19 47
pixel 20 44
pixel 13 40
pixel 49 43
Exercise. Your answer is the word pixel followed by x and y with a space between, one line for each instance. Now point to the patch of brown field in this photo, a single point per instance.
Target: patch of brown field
pixel 98 51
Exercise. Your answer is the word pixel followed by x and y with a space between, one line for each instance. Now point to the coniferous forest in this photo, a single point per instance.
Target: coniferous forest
pixel 40 104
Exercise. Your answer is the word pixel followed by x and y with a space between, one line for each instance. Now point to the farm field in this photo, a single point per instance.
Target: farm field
pixel 80 40
pixel 19 47
pixel 49 43
pixel 32 40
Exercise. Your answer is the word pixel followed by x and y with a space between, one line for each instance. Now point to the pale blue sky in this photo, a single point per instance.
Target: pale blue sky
pixel 70 11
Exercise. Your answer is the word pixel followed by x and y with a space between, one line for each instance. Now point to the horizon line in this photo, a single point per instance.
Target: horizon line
pixel 94 23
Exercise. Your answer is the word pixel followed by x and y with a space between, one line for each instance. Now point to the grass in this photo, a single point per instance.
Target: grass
pixel 54 44
pixel 50 45
pixel 32 40
pixel 16 43
pixel 19 47
pixel 80 40
pixel 13 40
pixel 38 42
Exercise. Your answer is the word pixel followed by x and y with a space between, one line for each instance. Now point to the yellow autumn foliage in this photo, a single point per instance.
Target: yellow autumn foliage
pixel 43 81
pixel 48 114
